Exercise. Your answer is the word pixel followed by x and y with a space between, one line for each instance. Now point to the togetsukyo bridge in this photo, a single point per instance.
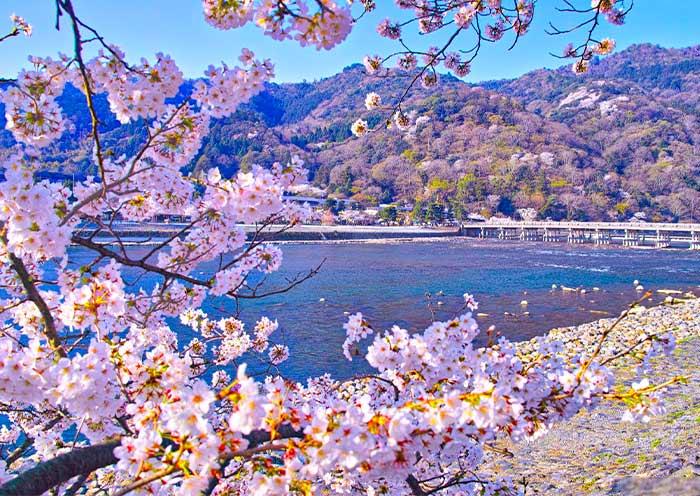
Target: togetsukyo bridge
pixel 656 235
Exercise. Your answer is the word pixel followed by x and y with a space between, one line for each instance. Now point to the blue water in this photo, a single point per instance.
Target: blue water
pixel 388 284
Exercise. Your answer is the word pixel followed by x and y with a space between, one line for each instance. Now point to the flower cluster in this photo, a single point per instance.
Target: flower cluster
pixel 485 21
pixel 470 302
pixel 462 14
pixel 359 127
pixel 228 15
pixel 98 303
pixel 135 92
pixel 32 114
pixel 225 88
pixel 320 23
pixel 278 354
pixel 613 14
pixel 21 25
pixel 373 101
pixel 91 358
pixel 356 329
pixel 177 136
pixel 389 30
pixel 434 402
pixel 30 212
pixel 83 386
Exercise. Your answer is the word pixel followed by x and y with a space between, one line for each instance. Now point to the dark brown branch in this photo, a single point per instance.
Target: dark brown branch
pixel 12 33
pixel 106 252
pixel 414 484
pixel 292 283
pixel 48 474
pixel 19 451
pixel 256 438
pixel 75 487
pixel 78 49
pixel 36 298
pixel 84 461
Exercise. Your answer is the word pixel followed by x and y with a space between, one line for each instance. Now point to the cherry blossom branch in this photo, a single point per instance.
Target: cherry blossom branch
pixel 11 34
pixel 292 283
pixel 83 461
pixel 628 351
pixel 168 274
pixel 636 393
pixel 73 489
pixel 61 469
pixel 414 485
pixel 433 17
pixel 19 451
pixel 155 476
pixel 130 173
pixel 20 26
pixel 107 46
pixel 607 332
pixel 87 84
pixel 585 51
pixel 36 298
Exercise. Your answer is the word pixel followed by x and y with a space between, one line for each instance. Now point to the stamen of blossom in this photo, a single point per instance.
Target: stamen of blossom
pixel 402 121
pixel 278 354
pixel 580 67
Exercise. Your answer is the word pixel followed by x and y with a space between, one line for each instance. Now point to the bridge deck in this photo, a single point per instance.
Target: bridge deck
pixel 658 235
pixel 589 226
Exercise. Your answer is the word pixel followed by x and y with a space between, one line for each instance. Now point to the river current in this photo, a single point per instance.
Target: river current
pixel 388 283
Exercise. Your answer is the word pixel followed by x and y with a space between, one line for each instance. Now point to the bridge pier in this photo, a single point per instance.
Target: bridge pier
pixel 550 235
pixel 631 238
pixel 695 240
pixel 529 234
pixel 663 240
pixel 576 236
pixel 601 237
pixel 508 233
pixel 488 232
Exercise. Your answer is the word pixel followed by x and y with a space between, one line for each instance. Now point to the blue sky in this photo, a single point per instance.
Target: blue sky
pixel 177 27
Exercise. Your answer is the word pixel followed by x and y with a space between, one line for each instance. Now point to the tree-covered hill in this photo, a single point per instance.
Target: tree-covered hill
pixel 622 139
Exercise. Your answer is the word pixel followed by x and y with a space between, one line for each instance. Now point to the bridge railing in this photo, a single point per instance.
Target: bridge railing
pixel 588 226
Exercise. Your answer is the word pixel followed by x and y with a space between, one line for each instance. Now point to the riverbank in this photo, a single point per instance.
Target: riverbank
pixel 148 234
pixel 135 232
pixel 595 453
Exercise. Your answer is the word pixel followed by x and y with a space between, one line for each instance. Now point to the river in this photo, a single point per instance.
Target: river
pixel 388 283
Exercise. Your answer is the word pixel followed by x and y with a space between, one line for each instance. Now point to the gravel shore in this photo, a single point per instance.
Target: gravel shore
pixel 595 453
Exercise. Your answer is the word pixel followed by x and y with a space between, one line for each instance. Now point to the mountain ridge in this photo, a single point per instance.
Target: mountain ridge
pixel 623 139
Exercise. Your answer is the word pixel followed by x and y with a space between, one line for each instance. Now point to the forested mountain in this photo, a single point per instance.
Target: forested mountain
pixel 622 139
